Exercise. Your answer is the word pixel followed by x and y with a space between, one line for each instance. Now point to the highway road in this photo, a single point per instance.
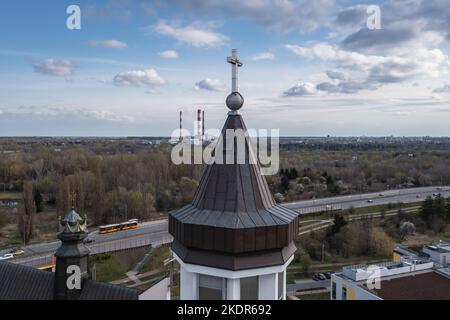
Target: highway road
pixel 367 199
pixel 157 230
pixel 153 229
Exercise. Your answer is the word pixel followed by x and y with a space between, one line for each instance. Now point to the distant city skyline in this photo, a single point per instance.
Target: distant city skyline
pixel 311 68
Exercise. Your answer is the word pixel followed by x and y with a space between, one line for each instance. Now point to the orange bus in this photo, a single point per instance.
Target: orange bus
pixel 130 224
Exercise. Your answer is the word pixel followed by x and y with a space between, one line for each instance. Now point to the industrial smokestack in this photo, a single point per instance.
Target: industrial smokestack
pixel 203 125
pixel 181 125
pixel 199 125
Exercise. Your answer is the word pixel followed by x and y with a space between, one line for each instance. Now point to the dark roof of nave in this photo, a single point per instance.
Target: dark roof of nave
pixel 19 282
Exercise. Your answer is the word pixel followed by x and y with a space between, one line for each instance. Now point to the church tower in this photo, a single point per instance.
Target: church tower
pixel 233 242
pixel 72 268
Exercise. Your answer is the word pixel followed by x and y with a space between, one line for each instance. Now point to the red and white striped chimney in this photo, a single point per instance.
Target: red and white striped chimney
pixel 181 125
pixel 203 124
pixel 199 124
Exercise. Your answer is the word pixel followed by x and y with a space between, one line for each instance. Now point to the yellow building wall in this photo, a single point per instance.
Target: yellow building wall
pixel 351 294
pixel 396 257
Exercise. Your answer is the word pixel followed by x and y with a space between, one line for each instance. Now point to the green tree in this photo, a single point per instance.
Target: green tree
pixel 338 223
pixel 434 213
pixel 448 208
pixel 426 211
pixel 38 200
pixel 440 207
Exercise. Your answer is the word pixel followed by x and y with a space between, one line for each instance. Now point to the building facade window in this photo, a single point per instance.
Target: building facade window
pixel 281 285
pixel 344 293
pixel 333 290
pixel 211 288
pixel 249 288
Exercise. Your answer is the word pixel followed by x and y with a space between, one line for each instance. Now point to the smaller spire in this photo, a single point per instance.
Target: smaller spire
pixel 73 222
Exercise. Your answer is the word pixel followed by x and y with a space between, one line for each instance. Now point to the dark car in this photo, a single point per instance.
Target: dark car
pixel 315 277
pixel 327 275
pixel 321 276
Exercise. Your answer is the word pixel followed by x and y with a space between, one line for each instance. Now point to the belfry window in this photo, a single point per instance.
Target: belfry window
pixel 249 288
pixel 211 288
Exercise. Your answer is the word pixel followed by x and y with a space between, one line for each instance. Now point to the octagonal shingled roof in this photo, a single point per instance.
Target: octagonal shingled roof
pixel 233 210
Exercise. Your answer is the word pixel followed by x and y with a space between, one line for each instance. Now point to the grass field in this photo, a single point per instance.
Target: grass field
pixel 156 261
pixel 114 266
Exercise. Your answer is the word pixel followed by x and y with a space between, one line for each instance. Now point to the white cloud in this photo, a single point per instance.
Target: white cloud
pixel 139 78
pixel 114 44
pixel 263 56
pixel 58 113
pixel 195 35
pixel 280 15
pixel 55 67
pixel 210 85
pixel 169 54
pixel 372 71
pixel 326 52
pixel 301 89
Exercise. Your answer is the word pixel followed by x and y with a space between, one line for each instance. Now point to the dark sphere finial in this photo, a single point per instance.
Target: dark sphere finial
pixel 235 101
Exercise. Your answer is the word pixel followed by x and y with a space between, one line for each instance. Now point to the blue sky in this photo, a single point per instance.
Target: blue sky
pixel 310 67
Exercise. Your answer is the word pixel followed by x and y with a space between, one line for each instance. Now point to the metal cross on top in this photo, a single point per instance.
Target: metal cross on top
pixel 235 64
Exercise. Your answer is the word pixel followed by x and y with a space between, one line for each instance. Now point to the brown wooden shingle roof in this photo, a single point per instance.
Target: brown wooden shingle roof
pixel 233 210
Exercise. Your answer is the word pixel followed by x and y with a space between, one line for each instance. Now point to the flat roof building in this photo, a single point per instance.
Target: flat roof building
pixel 416 273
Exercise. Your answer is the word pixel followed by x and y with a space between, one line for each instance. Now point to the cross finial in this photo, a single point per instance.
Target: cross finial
pixel 72 198
pixel 235 64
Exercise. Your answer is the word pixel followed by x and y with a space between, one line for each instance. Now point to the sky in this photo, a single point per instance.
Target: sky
pixel 311 68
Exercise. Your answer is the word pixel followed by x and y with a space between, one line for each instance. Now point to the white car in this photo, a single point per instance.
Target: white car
pixel 7 256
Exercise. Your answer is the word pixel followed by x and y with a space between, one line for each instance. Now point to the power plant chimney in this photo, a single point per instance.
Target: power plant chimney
pixel 203 124
pixel 181 125
pixel 199 125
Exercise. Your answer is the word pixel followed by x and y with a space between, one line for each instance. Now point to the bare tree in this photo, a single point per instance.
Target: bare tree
pixel 27 213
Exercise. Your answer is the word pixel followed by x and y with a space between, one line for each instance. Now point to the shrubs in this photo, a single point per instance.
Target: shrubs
pixel 434 213
pixel 358 238
pixel 361 238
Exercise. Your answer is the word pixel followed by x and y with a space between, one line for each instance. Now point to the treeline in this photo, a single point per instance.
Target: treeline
pixel 320 173
pixel 125 180
pixel 109 188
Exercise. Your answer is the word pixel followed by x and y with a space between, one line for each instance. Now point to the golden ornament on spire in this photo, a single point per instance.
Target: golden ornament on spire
pixel 72 198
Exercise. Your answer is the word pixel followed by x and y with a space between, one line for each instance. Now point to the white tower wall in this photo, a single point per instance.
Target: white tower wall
pixel 268 281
